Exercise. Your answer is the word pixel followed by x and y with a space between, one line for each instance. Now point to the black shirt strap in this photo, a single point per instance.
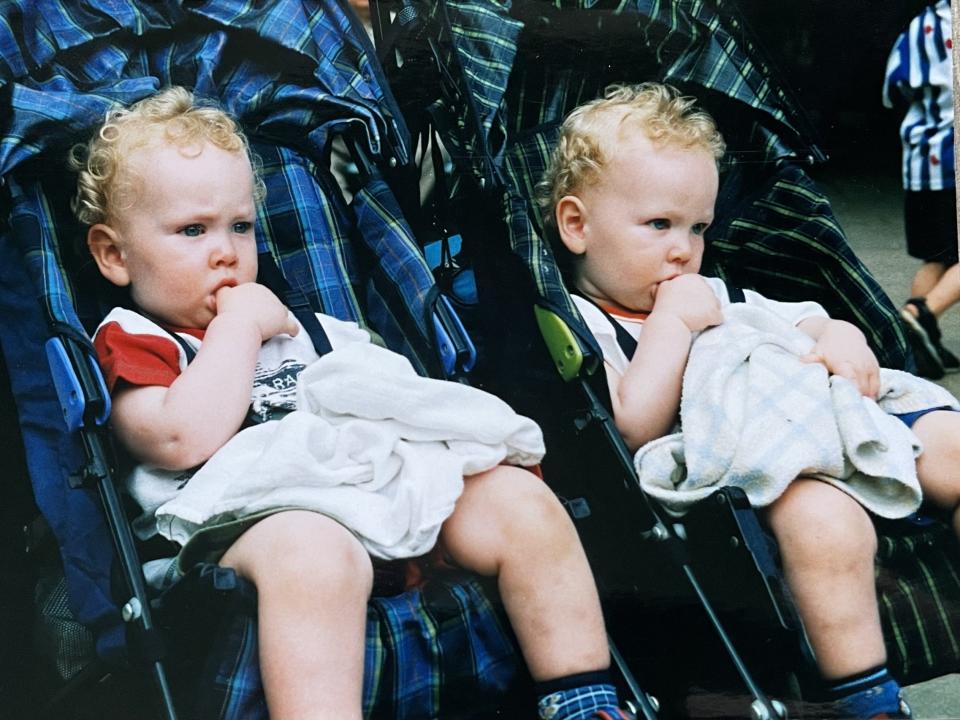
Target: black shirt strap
pixel 626 341
pixel 188 349
pixel 270 276
pixel 735 294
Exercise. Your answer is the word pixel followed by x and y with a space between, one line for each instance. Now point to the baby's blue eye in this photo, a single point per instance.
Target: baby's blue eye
pixel 194 230
pixel 659 224
pixel 242 227
pixel 700 228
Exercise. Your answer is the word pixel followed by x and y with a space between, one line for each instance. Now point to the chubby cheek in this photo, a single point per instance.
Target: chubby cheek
pixel 148 296
pixel 249 273
pixel 696 258
pixel 168 297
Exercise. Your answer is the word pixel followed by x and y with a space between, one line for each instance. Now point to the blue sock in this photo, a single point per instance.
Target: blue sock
pixel 867 695
pixel 577 697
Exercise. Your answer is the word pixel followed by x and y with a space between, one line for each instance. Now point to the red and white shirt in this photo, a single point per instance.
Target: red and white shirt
pixel 135 350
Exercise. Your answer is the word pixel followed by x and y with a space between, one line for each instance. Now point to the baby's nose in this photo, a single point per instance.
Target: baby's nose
pixel 681 248
pixel 224 250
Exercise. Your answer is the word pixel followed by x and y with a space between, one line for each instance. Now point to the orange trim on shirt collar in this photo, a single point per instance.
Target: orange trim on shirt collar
pixel 627 314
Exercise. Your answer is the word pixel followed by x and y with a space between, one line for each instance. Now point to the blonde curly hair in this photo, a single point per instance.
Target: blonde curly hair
pixel 587 136
pixel 105 184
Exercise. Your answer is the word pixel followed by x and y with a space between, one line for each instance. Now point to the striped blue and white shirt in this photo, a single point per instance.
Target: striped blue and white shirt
pixel 920 76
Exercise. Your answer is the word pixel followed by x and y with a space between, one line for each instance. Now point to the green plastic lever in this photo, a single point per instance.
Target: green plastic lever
pixel 562 344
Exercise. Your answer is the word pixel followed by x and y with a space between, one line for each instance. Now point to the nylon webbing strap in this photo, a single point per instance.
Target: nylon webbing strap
pixel 187 347
pixel 736 294
pixel 270 276
pixel 624 339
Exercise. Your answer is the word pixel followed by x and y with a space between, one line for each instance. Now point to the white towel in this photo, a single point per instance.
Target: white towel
pixel 753 415
pixel 371 444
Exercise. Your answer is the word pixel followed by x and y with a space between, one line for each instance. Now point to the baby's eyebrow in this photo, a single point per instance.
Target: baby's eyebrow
pixel 193 215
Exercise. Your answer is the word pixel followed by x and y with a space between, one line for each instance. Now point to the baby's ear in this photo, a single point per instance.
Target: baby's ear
pixel 571 217
pixel 103 242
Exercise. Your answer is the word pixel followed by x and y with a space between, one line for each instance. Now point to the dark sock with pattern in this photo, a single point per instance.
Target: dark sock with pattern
pixel 867 695
pixel 577 697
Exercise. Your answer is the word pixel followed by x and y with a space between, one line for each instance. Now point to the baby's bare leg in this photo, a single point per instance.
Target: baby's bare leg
pixel 508 523
pixel 938 467
pixel 313 579
pixel 827 545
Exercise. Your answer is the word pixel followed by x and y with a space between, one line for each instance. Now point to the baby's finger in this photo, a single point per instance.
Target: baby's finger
pixel 812 357
pixel 223 292
pixel 848 371
pixel 863 376
pixel 873 383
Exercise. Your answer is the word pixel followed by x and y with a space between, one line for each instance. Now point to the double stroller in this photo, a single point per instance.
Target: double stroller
pixel 298 74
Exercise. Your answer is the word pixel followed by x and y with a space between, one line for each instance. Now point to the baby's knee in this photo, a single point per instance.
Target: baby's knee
pixel 817 520
pixel 303 548
pixel 939 433
pixel 522 500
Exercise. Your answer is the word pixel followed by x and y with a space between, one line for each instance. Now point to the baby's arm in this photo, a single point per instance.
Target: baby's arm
pixel 181 426
pixel 842 348
pixel 647 398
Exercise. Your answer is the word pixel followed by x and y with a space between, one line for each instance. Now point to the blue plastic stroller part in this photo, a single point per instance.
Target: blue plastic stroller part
pixel 70 391
pixel 434 252
pixel 457 351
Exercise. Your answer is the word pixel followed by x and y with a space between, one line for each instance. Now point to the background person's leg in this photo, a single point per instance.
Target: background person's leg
pixel 946 291
pixel 926 278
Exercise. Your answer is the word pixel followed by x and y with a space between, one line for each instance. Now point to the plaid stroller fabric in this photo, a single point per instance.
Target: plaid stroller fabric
pixel 294 73
pixel 519 81
pixel 402 630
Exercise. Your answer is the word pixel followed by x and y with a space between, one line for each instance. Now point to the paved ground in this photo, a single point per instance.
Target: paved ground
pixel 869 208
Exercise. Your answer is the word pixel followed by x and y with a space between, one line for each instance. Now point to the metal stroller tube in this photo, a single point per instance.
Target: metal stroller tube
pixel 762 707
pixel 73 358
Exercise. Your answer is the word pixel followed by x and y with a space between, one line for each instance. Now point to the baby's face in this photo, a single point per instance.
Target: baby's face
pixel 189 231
pixel 644 221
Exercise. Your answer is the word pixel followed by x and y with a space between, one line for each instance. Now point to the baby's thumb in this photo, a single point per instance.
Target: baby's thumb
pixel 811 358
pixel 293 327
